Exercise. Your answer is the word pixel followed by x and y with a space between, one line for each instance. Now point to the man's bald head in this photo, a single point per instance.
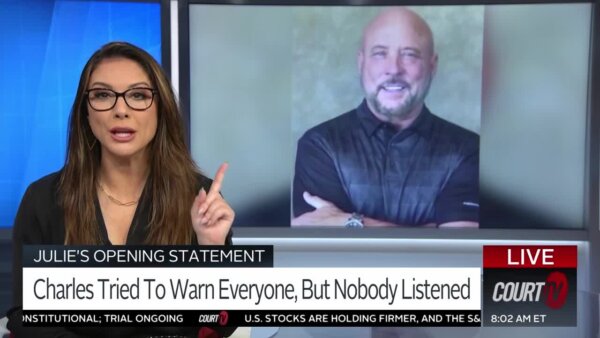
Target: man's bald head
pixel 400 19
pixel 397 62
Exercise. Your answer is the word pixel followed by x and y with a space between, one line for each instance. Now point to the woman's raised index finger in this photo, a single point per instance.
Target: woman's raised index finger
pixel 218 181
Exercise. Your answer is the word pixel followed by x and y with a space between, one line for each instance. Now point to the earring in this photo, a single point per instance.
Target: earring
pixel 90 147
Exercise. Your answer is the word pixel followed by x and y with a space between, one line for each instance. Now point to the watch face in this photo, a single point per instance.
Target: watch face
pixel 354 222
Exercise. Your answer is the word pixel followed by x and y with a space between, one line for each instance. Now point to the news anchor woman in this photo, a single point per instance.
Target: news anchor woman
pixel 128 178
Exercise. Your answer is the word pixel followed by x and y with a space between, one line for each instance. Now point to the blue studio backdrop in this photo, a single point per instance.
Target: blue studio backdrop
pixel 43 47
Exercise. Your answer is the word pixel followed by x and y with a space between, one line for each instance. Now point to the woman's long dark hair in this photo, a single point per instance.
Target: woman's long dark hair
pixel 172 172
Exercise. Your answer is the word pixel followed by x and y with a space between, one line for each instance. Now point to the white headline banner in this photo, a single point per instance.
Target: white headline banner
pixel 251 288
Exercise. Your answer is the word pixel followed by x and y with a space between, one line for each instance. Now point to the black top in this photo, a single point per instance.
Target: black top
pixel 40 220
pixel 426 173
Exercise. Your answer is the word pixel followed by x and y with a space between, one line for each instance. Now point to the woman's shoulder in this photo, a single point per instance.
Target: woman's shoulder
pixel 41 195
pixel 47 185
pixel 203 182
pixel 39 218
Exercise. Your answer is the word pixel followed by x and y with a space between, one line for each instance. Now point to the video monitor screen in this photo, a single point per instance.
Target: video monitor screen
pixel 425 116
pixel 43 48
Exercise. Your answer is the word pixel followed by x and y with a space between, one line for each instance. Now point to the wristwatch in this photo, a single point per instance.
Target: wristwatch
pixel 355 221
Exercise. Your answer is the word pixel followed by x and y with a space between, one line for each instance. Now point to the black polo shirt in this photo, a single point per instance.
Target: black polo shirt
pixel 426 173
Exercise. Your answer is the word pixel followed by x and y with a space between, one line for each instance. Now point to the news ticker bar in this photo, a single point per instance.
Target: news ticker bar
pixel 191 318
pixel 247 256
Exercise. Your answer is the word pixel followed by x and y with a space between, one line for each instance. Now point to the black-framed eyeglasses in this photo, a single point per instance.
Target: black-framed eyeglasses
pixel 102 99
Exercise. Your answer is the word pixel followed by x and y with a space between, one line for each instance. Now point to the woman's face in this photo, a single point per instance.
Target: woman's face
pixel 124 129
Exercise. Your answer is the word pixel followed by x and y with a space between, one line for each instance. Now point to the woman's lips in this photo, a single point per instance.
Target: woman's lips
pixel 122 134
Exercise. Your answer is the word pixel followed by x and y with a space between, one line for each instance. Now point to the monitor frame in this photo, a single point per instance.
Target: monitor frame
pixel 590 233
pixel 591 195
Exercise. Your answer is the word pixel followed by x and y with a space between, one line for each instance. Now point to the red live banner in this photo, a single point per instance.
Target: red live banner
pixel 530 256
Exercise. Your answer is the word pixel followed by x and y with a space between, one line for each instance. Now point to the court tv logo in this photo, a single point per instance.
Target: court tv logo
pixel 553 291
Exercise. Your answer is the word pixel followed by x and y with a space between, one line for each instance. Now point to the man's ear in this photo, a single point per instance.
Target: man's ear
pixel 434 63
pixel 360 58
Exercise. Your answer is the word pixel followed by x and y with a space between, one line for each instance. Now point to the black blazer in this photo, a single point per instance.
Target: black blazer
pixel 40 220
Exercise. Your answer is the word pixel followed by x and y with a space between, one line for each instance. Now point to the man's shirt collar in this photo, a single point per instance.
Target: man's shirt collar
pixel 421 125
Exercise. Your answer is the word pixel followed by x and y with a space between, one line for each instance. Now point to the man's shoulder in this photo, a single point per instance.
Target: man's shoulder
pixel 333 127
pixel 454 134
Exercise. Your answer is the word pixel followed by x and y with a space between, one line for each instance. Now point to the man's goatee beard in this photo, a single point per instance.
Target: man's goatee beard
pixel 405 109
pixel 401 111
